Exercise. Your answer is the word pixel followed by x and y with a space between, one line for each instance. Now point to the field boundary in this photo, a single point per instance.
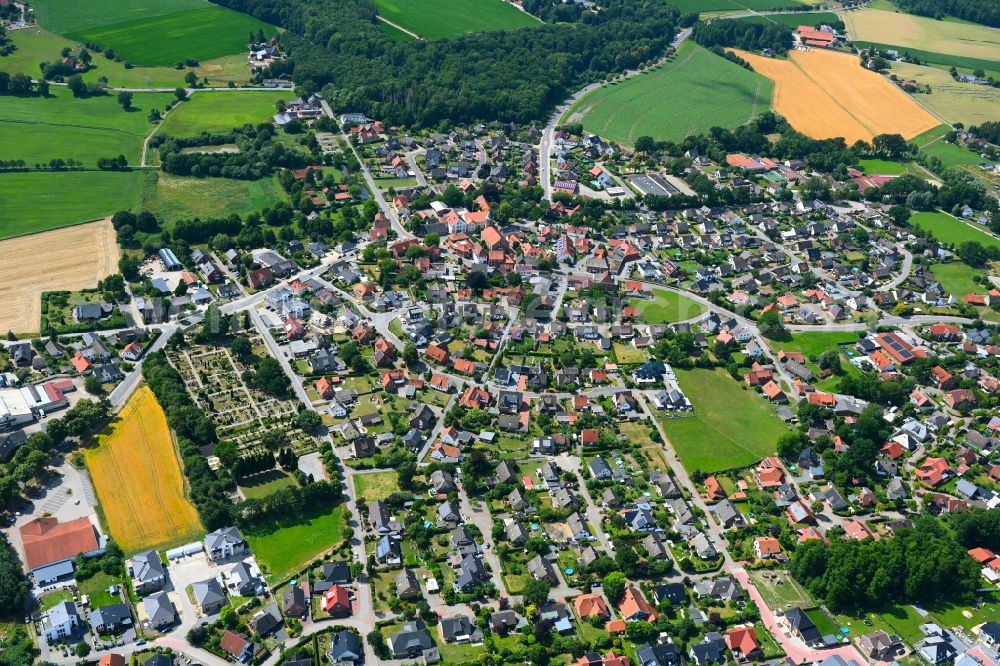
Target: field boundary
pixel 399 27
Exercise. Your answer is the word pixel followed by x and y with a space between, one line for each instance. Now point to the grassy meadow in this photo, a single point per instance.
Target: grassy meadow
pixel 730 427
pixel 951 230
pixel 37 129
pixel 37 201
pixel 284 548
pixel 689 6
pixel 173 198
pixel 693 92
pixel 222 111
pixel 955 102
pixel 666 306
pixel 908 31
pixel 437 19
pixel 148 32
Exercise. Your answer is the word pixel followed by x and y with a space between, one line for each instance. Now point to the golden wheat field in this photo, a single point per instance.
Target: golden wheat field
pixel 70 258
pixel 826 94
pixel 138 479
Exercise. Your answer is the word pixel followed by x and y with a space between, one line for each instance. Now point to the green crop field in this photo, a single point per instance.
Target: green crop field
pixel 284 548
pixel 666 306
pixel 222 111
pixel 438 19
pixel 394 33
pixel 36 201
pixel 795 20
pixel 147 32
pixel 731 426
pixel 696 90
pixel 690 6
pixel 37 129
pixel 173 198
pixel 951 230
pixel 35 45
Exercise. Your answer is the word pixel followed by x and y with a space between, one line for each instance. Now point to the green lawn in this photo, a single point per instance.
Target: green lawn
pixel 667 306
pixel 956 278
pixel 282 549
pixel 173 198
pixel 37 129
pixel 814 343
pixel 96 588
pixel 883 167
pixel 222 111
pixel 731 427
pixel 32 202
pixel 375 485
pixel 696 90
pixel 951 230
pixel 822 622
pixel 262 485
pixel 437 19
pixel 50 599
pixel 151 32
pixel 779 590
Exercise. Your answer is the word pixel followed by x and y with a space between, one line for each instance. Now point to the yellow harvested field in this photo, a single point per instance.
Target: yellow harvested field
pixel 70 258
pixel 926 34
pixel 955 102
pixel 826 94
pixel 138 479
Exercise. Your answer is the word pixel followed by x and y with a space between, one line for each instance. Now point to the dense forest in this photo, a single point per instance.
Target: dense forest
pixel 986 12
pixel 744 35
pixel 925 565
pixel 515 75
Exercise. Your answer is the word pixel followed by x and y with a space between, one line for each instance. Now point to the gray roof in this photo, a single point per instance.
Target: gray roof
pixel 159 609
pixel 208 592
pixel 146 566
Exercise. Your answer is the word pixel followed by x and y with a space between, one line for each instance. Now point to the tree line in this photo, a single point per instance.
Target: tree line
pixel 986 12
pixel 258 156
pixel 516 75
pixel 745 35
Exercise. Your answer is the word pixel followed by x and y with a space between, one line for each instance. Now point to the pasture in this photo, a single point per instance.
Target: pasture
pixel 283 549
pixel 951 230
pixel 36 201
pixel 173 198
pixel 75 258
pixel 667 306
pixel 731 426
pixel 826 94
pixel 955 102
pixel 692 92
pixel 216 112
pixel 690 6
pixel 440 19
pixel 146 32
pixel 908 31
pixel 138 479
pixel 37 129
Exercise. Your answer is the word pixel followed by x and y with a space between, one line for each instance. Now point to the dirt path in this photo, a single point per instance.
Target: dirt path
pixel 398 27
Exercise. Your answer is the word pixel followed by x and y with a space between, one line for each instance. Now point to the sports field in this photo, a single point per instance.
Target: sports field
pixel 953 101
pixel 37 129
pixel 731 426
pixel 151 32
pixel 918 32
pixel 222 111
pixel 173 198
pixel 951 230
pixel 74 258
pixel 36 201
pixel 439 19
pixel 138 479
pixel 696 90
pixel 666 306
pixel 826 94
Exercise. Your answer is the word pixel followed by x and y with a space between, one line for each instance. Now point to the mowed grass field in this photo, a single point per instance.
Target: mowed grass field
pixel 35 45
pixel 438 19
pixel 138 479
pixel 151 32
pixel 814 343
pixel 222 111
pixel 37 201
pixel 37 129
pixel 689 6
pixel 918 32
pixel 371 486
pixel 696 90
pixel 731 427
pixel 666 306
pixel 74 258
pixel 951 230
pixel 826 94
pixel 283 549
pixel 173 198
pixel 955 102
